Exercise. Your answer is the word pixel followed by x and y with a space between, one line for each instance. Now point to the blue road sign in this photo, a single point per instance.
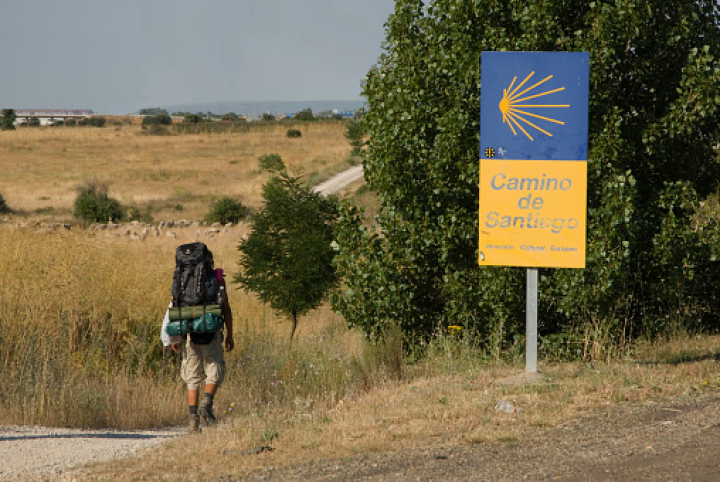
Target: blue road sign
pixel 534 106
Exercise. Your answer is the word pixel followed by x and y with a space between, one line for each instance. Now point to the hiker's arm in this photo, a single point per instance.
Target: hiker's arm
pixel 227 316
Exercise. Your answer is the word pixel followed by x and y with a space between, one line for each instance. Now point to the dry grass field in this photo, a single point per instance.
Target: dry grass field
pixel 178 175
pixel 80 313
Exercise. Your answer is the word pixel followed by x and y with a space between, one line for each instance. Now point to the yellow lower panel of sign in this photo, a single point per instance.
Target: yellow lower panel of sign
pixel 533 213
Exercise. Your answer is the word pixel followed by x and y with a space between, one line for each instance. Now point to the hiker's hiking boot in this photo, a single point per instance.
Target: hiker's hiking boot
pixel 194 424
pixel 206 412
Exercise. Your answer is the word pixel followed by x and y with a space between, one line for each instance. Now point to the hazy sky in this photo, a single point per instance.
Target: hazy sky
pixel 118 56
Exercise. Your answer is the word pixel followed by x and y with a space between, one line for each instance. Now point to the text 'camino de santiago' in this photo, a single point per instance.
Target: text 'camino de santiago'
pixel 532 203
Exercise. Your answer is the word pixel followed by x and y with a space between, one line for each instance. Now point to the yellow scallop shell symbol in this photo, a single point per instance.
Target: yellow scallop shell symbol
pixel 515 112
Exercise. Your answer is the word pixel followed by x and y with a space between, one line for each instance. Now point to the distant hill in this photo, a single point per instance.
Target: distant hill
pixel 272 107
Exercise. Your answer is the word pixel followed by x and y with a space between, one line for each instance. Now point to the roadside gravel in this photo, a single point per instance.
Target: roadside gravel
pixel 41 453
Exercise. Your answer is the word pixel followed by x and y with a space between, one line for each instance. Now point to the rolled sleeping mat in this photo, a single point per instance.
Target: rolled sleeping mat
pixel 193 312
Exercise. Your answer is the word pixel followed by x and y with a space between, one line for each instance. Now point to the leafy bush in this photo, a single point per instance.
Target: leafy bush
pixel 93 204
pixel 271 162
pixel 293 133
pixel 227 210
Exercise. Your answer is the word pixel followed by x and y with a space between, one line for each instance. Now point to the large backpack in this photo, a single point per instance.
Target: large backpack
pixel 194 282
pixel 195 310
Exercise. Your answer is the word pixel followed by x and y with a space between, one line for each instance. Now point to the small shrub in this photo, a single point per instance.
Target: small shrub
pixel 293 133
pixel 136 213
pixel 227 210
pixel 4 208
pixel 93 122
pixel 93 204
pixel 271 162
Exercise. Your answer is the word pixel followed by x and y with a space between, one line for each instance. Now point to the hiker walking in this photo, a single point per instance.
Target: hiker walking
pixel 201 310
pixel 198 357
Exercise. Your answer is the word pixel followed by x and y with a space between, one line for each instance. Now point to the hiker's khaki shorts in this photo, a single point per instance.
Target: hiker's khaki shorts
pixel 198 358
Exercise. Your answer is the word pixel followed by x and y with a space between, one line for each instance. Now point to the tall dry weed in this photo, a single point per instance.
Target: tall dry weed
pixel 79 335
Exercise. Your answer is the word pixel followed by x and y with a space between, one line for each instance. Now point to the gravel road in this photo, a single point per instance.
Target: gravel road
pixel 40 453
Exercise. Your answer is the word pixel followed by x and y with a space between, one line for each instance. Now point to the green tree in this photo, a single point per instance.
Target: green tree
pixel 7 121
pixel 192 119
pixel 153 111
pixel 157 119
pixel 287 259
pixel 355 133
pixel 304 115
pixel 653 127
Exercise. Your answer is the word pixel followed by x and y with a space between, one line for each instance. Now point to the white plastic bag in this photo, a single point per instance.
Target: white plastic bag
pixel 168 340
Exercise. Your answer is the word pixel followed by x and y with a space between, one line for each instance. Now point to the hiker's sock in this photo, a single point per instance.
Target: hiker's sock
pixel 209 397
pixel 193 409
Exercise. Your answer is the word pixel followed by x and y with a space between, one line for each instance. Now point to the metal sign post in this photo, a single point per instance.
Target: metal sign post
pixel 531 304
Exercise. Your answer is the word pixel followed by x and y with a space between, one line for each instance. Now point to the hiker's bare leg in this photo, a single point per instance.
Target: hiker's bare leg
pixel 209 388
pixel 192 397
